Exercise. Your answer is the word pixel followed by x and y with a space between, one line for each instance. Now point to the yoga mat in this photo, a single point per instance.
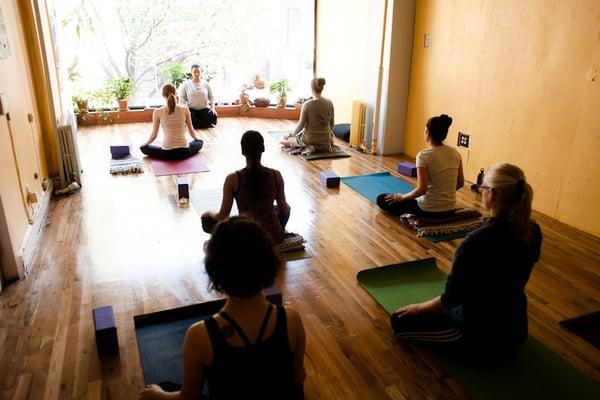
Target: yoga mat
pixel 294 255
pixel 535 373
pixel 278 135
pixel 209 200
pixel 372 185
pixel 160 337
pixel 585 326
pixel 176 167
pixel 324 154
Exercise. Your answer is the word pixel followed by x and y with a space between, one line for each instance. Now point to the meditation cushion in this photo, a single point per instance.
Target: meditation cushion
pixel 342 131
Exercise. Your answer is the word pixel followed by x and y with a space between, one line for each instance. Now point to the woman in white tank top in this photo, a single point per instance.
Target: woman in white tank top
pixel 174 120
pixel 439 176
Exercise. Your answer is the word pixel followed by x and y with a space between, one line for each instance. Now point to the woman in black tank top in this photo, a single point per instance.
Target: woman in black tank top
pixel 251 348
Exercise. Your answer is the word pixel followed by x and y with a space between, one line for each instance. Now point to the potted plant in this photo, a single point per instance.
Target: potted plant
pixel 175 74
pixel 281 87
pixel 81 103
pixel 122 88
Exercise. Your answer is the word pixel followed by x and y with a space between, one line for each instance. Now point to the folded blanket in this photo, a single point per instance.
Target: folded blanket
pixel 308 150
pixel 462 220
pixel 291 242
pixel 127 165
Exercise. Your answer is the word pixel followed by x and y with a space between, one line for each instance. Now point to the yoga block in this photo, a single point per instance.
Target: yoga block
pixel 105 327
pixel 407 168
pixel 330 179
pixel 119 151
pixel 183 188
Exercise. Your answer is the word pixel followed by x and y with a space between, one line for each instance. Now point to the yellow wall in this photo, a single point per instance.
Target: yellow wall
pixel 15 83
pixel 522 78
pixel 342 39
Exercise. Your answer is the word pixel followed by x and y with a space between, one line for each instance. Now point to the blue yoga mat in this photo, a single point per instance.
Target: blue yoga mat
pixel 372 185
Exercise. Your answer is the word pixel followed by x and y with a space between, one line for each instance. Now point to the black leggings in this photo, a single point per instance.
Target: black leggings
pixel 426 327
pixel 173 154
pixel 408 206
pixel 204 118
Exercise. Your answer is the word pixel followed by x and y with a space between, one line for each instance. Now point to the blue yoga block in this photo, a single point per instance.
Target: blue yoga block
pixel 407 168
pixel 183 188
pixel 119 151
pixel 330 179
pixel 105 328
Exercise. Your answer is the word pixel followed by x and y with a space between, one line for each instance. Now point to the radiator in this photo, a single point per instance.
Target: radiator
pixel 69 163
pixel 357 127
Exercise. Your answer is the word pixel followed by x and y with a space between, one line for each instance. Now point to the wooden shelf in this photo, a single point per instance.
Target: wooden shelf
pixel 119 117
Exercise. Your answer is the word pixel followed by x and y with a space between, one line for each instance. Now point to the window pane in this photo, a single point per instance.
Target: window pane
pixel 233 40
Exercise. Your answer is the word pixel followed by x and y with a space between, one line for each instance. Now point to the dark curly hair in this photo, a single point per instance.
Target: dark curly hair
pixel 438 127
pixel 240 260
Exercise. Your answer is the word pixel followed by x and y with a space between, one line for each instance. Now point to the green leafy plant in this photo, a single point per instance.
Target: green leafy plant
pixel 101 97
pixel 281 87
pixel 122 88
pixel 175 74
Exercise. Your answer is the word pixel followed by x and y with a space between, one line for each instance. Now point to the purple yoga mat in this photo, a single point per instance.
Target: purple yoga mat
pixel 175 167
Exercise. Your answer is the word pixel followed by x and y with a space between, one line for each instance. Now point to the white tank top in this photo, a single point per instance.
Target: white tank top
pixel 173 126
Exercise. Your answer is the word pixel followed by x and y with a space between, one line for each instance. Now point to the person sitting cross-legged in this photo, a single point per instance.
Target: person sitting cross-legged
pixel 251 349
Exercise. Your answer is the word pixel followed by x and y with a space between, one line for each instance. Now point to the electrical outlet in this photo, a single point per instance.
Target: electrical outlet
pixel 427 40
pixel 463 140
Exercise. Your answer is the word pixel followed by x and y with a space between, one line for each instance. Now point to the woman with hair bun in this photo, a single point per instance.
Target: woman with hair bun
pixel 439 176
pixel 316 121
pixel 254 188
pixel 250 349
pixel 483 309
pixel 175 120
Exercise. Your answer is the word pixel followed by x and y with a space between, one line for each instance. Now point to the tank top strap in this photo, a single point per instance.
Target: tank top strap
pixel 236 327
pixel 281 324
pixel 263 327
pixel 214 333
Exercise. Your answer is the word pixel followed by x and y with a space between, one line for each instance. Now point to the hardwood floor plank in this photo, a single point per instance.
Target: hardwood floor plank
pixel 124 241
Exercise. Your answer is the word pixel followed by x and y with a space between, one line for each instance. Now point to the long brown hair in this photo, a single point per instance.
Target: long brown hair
pixel 513 197
pixel 168 92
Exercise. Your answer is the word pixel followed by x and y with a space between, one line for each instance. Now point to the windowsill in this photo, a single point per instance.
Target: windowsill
pixel 145 115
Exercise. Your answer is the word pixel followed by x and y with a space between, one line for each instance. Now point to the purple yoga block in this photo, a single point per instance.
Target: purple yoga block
pixel 119 151
pixel 183 188
pixel 105 327
pixel 330 179
pixel 407 168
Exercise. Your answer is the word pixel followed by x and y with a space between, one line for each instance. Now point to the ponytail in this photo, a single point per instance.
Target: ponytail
pixel 168 92
pixel 513 197
pixel 171 103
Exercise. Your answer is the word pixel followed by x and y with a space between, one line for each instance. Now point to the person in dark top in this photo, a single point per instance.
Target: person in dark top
pixel 251 349
pixel 484 305
pixel 255 189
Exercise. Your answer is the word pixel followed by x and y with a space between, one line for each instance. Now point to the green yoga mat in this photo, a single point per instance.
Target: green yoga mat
pixel 535 373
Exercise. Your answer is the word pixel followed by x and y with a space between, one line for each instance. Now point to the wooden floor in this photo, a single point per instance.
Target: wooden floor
pixel 123 241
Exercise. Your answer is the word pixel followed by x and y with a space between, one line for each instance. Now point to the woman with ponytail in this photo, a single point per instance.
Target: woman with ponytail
pixel 484 306
pixel 439 176
pixel 316 121
pixel 254 189
pixel 175 120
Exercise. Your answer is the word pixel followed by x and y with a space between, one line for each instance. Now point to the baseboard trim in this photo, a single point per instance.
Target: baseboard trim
pixel 33 234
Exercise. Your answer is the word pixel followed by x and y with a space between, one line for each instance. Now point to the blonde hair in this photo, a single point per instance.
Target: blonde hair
pixel 317 84
pixel 168 92
pixel 513 197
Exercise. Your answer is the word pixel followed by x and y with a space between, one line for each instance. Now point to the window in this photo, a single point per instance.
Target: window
pixel 233 40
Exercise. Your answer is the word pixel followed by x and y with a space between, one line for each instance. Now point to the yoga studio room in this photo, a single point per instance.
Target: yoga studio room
pixel 299 199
